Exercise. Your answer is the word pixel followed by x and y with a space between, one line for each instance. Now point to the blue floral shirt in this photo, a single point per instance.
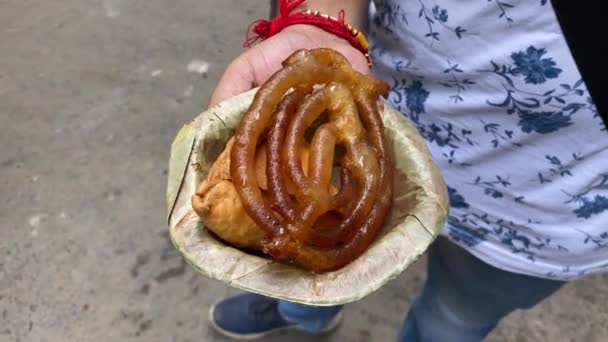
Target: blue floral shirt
pixel 492 87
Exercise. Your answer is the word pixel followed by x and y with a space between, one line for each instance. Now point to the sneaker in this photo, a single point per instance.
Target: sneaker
pixel 250 316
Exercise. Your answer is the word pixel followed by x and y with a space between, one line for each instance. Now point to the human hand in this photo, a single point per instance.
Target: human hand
pixel 254 66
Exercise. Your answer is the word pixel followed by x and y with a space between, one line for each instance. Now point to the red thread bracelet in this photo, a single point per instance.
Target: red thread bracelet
pixel 263 29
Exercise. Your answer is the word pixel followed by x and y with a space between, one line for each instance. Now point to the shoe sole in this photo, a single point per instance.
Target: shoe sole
pixel 255 336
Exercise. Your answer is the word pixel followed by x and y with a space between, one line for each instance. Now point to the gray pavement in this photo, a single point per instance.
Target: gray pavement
pixel 91 96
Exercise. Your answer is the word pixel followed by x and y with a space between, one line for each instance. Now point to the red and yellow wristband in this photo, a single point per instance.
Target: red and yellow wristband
pixel 263 29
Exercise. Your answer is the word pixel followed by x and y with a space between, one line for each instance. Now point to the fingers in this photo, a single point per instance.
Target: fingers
pixel 257 64
pixel 357 60
pixel 250 69
pixel 238 78
pixel 310 37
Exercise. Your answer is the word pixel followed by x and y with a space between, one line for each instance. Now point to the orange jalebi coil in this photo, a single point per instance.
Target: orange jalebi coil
pixel 311 225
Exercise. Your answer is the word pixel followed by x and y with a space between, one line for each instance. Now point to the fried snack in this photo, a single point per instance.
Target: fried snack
pixel 218 205
pixel 312 226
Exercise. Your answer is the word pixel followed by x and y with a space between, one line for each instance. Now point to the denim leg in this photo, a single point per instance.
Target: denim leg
pixel 311 318
pixel 464 298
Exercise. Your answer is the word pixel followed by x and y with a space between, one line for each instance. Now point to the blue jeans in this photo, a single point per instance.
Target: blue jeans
pixel 463 299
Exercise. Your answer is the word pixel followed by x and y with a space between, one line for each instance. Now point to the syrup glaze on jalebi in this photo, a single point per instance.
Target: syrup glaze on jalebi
pixel 305 222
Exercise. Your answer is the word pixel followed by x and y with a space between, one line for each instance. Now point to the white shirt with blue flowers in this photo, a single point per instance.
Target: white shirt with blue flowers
pixel 492 87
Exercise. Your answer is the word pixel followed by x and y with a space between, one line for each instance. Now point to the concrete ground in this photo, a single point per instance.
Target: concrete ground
pixel 91 95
